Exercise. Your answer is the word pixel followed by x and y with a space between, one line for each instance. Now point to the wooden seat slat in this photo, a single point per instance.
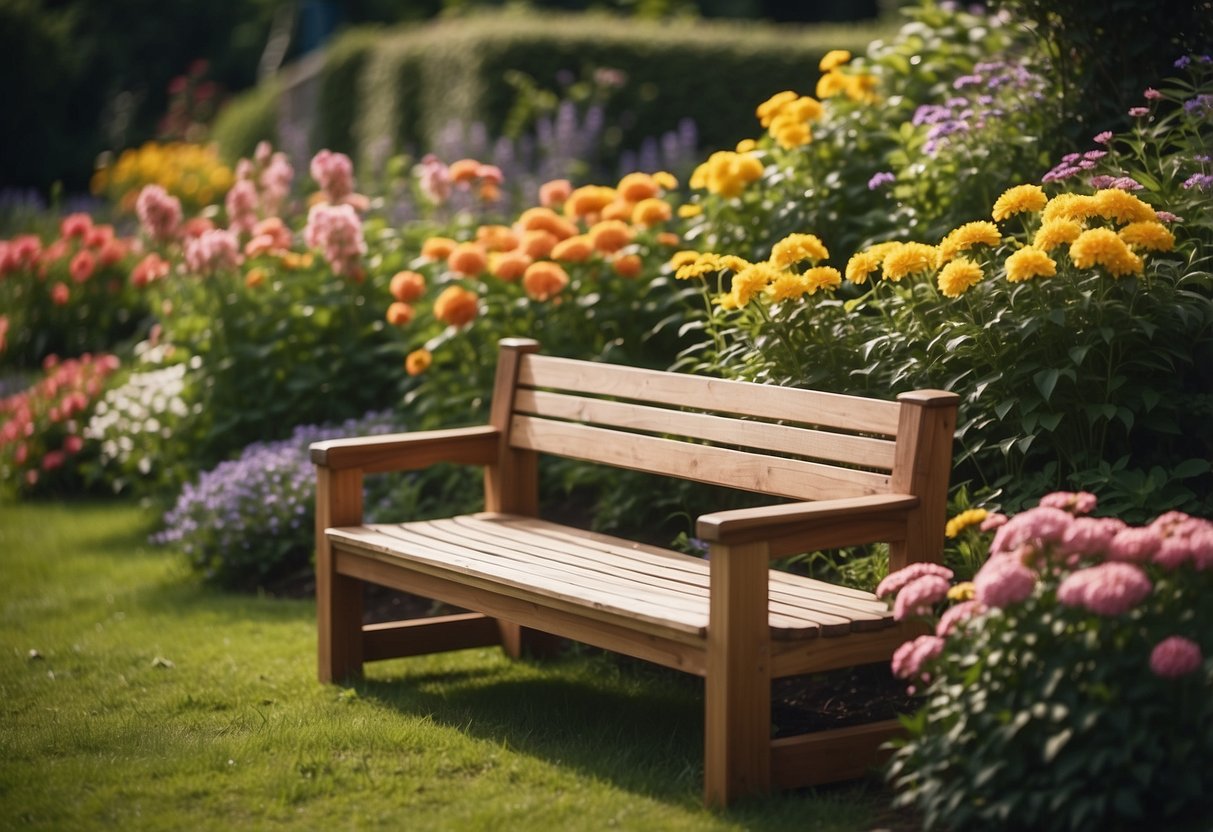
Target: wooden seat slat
pixel 865 451
pixel 793 478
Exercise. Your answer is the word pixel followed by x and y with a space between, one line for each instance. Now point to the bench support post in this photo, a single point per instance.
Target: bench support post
pixel 737 718
pixel 921 467
pixel 338 597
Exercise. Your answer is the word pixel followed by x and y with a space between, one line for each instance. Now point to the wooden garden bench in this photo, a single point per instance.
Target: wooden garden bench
pixel 859 470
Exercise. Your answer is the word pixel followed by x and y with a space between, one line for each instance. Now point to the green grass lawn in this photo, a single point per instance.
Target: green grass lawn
pixel 133 698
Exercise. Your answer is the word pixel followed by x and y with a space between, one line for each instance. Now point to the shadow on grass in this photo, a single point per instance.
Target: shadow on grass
pixel 634 725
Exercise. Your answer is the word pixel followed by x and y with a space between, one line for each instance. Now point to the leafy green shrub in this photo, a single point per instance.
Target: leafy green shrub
pixel 1068 687
pixel 337 99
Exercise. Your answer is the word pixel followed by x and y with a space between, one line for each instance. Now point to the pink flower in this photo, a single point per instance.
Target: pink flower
pixel 490 173
pixel 82 266
pixel 1152 94
pixel 1088 536
pixel 159 213
pixel 75 225
pixel 241 205
pixel 60 294
pixel 1003 581
pixel 276 182
pixel 72 444
pixel 334 173
pixel 1075 502
pixel 434 179
pixel 1109 589
pixel 52 460
pixel 555 192
pixel 993 521
pixel 1175 656
pixel 916 597
pixel 955 615
pixel 896 580
pixel 1139 112
pixel 1103 138
pixel 212 251
pixel 337 230
pixel 1035 527
pixel 1134 545
pixel 150 268
pixel 909 658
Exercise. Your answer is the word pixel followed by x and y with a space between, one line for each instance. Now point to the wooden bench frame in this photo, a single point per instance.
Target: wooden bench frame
pixel 837 505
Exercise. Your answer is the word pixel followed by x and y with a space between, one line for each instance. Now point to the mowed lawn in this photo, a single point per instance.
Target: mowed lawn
pixel 135 698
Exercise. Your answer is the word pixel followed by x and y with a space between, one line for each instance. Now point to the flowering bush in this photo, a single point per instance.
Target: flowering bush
pixel 68 294
pixel 249 521
pixel 1067 686
pixel 41 429
pixel 193 173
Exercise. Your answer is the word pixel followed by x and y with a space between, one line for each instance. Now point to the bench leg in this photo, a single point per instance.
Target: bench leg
pixel 518 641
pixel 737 687
pixel 339 622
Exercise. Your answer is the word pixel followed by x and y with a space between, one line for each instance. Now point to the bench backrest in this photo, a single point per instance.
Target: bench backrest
pixel 785 442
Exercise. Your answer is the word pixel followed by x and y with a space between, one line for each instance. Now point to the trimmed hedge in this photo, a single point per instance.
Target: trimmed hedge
pixel 407 84
pixel 245 120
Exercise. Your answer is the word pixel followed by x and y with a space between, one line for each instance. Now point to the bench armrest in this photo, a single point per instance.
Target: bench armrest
pixel 805 526
pixel 409 451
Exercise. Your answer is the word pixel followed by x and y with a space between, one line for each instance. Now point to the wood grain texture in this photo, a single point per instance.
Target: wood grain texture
pixel 338 597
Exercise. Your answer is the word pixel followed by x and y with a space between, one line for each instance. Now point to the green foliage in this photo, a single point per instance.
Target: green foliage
pixel 1047 708
pixel 456 71
pixel 245 120
pixel 337 96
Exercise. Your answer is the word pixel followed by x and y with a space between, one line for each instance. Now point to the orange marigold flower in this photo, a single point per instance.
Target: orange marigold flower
pixel 508 265
pixel 555 192
pixel 668 238
pixel 418 361
pixel 636 187
pixel 497 237
pixel 588 199
pixel 575 249
pixel 545 219
pixel 544 280
pixel 456 306
pixel 627 265
pixel 652 211
pixel 617 210
pixel 468 259
pixel 1029 262
pixel 255 277
pixel 464 171
pixel 407 286
pixel 665 180
pixel 438 248
pixel 610 235
pixel 538 243
pixel 399 314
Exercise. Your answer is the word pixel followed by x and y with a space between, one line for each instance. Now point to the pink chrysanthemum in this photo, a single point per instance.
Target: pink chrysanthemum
pixel 337 230
pixel 1175 656
pixel 212 251
pixel 1075 502
pixel 334 173
pixel 159 213
pixel 916 597
pixel 1091 535
pixel 896 580
pixel 1003 581
pixel 1134 545
pixel 1109 589
pixel 1036 527
pixel 909 658
pixel 955 615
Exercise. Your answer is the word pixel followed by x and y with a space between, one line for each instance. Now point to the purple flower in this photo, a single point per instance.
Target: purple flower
pixel 1199 181
pixel 1182 62
pixel 880 178
pixel 1102 181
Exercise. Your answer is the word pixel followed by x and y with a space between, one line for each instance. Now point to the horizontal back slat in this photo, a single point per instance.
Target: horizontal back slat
pixel 865 451
pixel 765 401
pixel 792 478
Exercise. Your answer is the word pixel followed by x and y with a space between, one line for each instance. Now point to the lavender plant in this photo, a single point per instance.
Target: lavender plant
pixel 248 522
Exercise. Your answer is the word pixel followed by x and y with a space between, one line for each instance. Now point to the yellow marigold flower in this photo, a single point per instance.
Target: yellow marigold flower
pixel 746 145
pixel 689 210
pixel 1018 200
pixel 805 108
pixel 418 361
pixel 770 108
pixel 635 187
pixel 683 258
pixel 834 59
pixel 861 87
pixel 1054 233
pixel 1152 236
pixel 1102 246
pixel 1122 206
pixel 705 263
pixel 860 267
pixel 1068 207
pixel 787 286
pixel 733 263
pixel 963 591
pixel 958 276
pixel 699 177
pixel 822 277
pixel 790 133
pixel 725 301
pixel 908 258
pixel 1029 262
pixel 665 180
pixel 650 212
pixel 752 281
pixel 831 84
pixel 796 247
pixel 962 521
pixel 970 234
pixel 727 174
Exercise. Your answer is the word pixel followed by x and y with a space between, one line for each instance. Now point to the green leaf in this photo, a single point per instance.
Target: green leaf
pixel 1055 743
pixel 1079 353
pixel 1190 468
pixel 1046 381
